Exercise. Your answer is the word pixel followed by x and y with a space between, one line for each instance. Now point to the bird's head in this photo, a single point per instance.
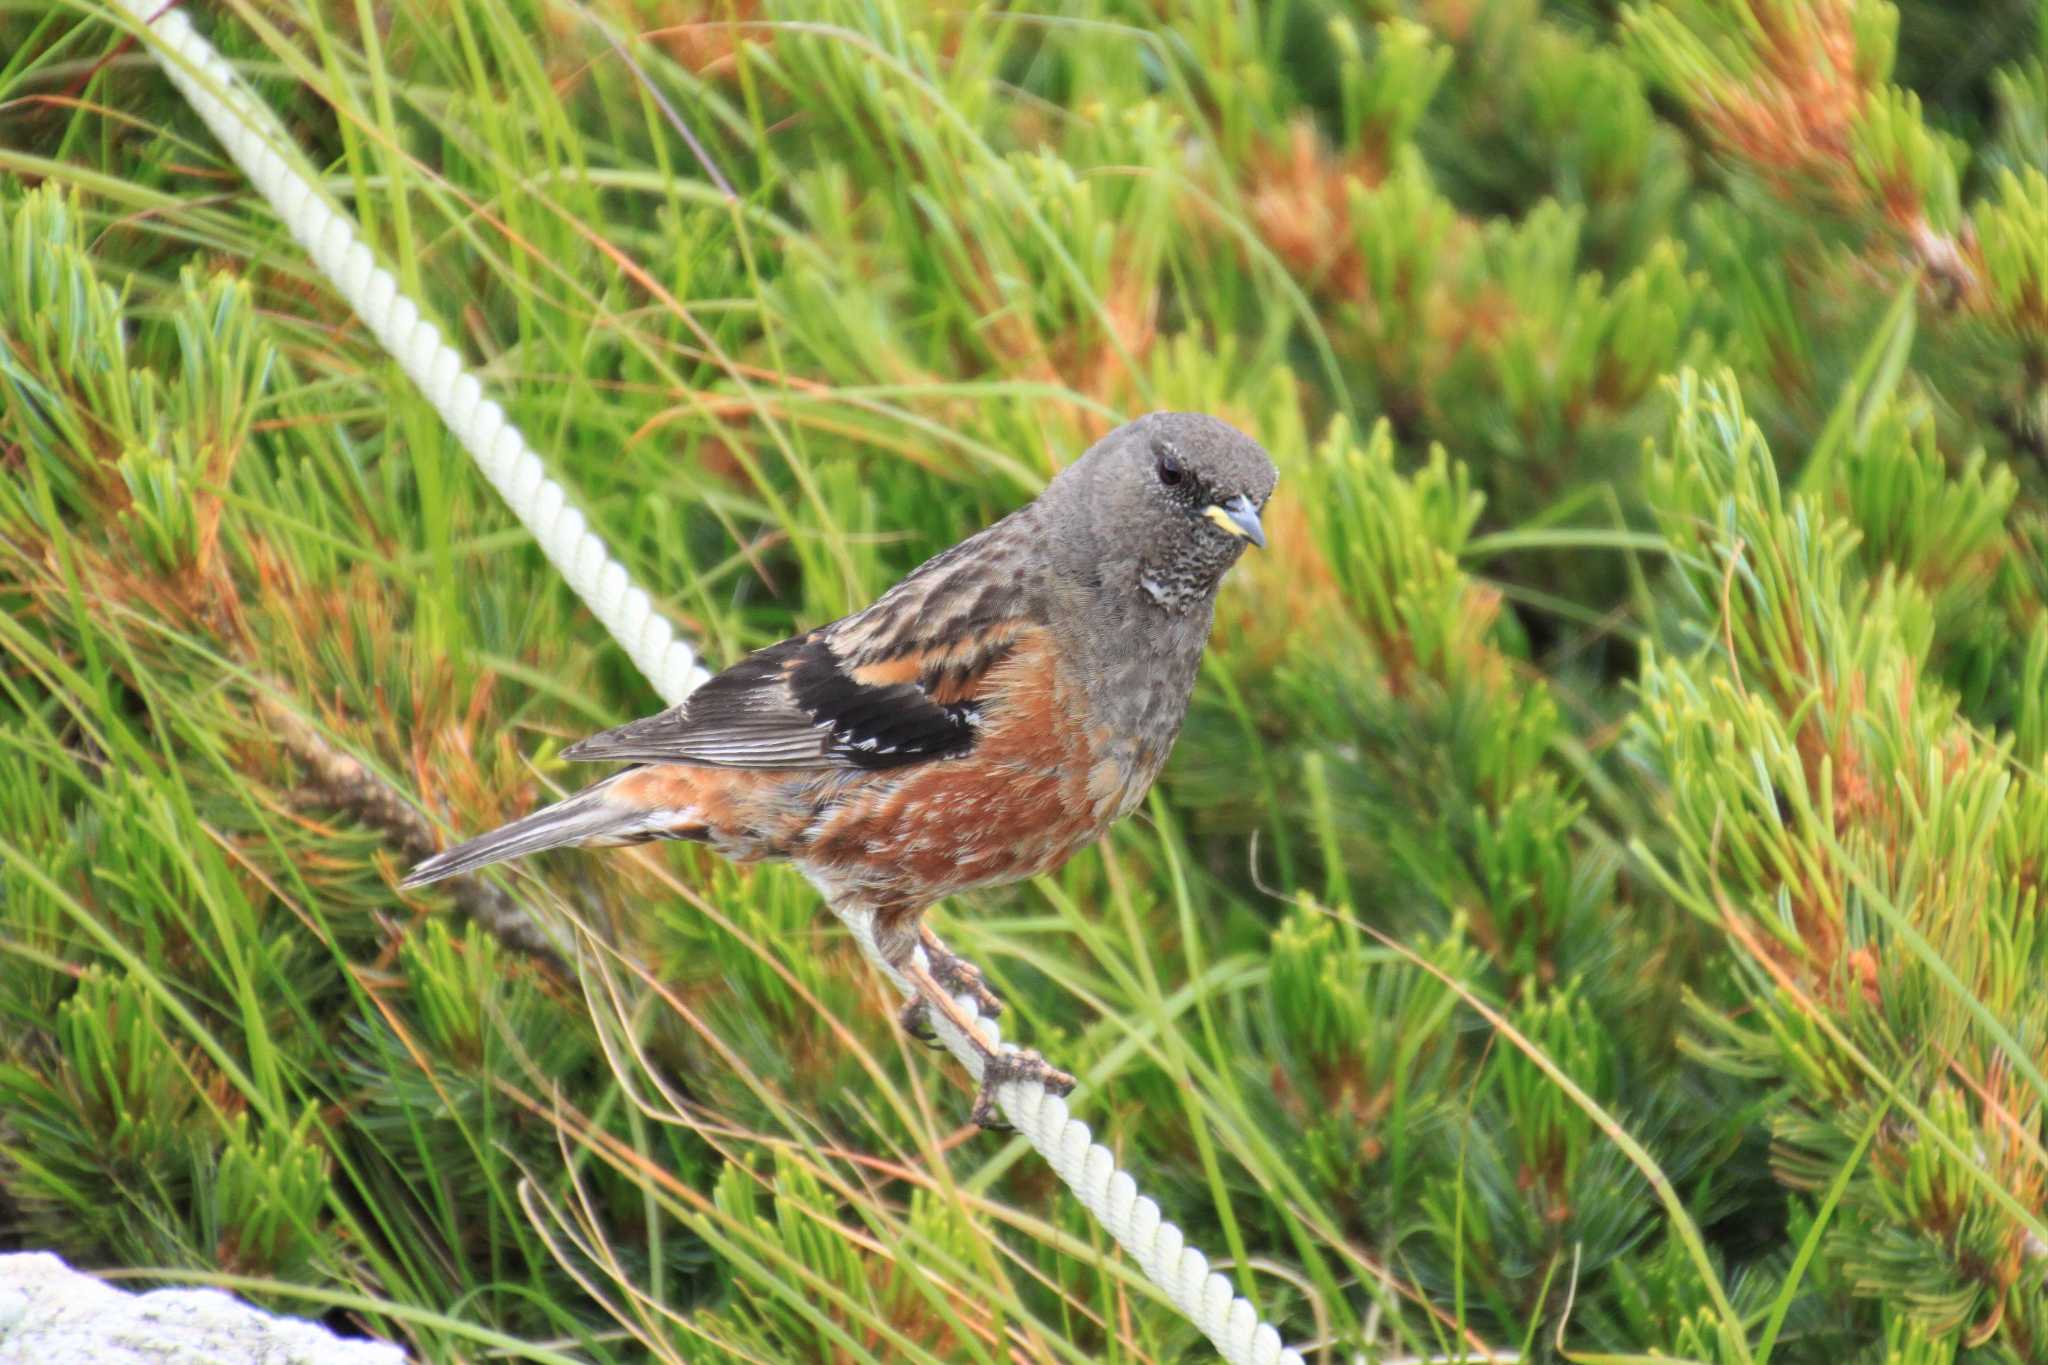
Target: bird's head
pixel 1172 498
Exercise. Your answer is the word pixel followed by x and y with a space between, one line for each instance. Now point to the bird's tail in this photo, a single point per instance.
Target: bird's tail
pixel 592 816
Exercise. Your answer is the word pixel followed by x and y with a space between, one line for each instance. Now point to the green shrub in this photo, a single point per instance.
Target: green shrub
pixel 1595 907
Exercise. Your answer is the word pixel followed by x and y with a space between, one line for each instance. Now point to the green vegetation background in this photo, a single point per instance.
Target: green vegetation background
pixel 1595 907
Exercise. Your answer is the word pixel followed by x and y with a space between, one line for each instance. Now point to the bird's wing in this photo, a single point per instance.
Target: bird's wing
pixel 902 682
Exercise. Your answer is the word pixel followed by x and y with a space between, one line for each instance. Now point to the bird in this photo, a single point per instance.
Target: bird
pixel 984 719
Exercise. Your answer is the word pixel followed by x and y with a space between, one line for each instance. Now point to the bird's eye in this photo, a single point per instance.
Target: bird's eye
pixel 1170 472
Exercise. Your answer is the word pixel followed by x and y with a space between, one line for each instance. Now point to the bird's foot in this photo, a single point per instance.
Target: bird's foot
pixel 959 976
pixel 1018 1064
pixel 998 1067
pixel 915 1019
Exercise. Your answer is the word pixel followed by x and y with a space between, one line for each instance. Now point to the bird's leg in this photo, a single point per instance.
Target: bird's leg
pixel 1014 1064
pixel 916 1020
pixel 957 974
pixel 997 1068
pixel 893 926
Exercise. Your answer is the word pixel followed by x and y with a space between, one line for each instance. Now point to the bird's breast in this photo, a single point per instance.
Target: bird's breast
pixel 1046 776
pixel 1140 676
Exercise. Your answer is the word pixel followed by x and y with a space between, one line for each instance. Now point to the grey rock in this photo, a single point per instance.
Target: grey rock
pixel 51 1314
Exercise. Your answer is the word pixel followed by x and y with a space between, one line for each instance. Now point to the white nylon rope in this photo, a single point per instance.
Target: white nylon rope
pixel 253 137
pixel 1089 1169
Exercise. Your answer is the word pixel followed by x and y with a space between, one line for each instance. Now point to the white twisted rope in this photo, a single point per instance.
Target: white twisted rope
pixel 1203 1296
pixel 259 145
pixel 253 137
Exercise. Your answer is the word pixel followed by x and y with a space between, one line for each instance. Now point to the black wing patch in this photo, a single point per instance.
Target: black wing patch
pixel 881 726
pixel 795 705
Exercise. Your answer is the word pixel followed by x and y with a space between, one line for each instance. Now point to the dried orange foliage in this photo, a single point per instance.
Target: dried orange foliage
pixel 1415 324
pixel 1451 18
pixel 255 608
pixel 1792 121
pixel 1300 200
pixel 704 38
pixel 1089 359
pixel 701 36
pixel 1096 366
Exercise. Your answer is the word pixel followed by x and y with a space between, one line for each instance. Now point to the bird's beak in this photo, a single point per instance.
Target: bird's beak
pixel 1238 517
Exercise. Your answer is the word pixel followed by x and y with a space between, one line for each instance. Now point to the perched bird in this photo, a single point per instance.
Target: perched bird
pixel 988 716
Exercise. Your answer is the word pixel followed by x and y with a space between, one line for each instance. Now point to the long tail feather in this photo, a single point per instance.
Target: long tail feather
pixel 588 817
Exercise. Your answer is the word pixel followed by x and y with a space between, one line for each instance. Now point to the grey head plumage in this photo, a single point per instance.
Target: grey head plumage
pixel 1164 504
pixel 1138 534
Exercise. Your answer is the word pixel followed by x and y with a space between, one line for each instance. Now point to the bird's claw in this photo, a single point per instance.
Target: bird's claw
pixel 960 977
pixel 1020 1064
pixel 916 1020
